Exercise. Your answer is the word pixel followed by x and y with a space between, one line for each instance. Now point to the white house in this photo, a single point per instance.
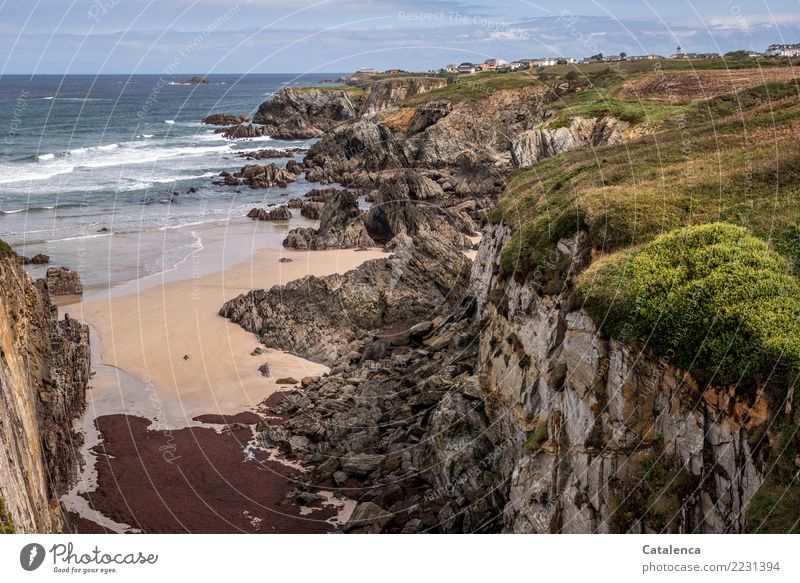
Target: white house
pixel 783 50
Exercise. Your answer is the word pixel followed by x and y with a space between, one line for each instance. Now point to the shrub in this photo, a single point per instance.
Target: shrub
pixel 6 520
pixel 710 298
pixel 5 250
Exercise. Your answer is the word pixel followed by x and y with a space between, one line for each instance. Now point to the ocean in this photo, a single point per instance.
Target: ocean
pixel 82 154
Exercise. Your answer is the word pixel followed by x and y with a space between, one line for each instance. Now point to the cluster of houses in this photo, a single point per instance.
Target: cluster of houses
pixel 777 50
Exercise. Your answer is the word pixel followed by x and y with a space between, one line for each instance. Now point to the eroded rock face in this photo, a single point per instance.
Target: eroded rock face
pixel 341 226
pixel 61 281
pixel 44 372
pixel 533 145
pixel 514 413
pixel 386 93
pixel 326 318
pixel 307 113
pixel 406 206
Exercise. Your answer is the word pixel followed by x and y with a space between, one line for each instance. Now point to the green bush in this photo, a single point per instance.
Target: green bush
pixel 5 250
pixel 712 299
pixel 6 520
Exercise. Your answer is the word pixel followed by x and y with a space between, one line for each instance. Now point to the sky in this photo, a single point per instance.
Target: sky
pixel 297 36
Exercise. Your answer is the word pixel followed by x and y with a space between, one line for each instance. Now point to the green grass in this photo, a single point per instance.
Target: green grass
pixel 5 250
pixel 6 520
pixel 740 169
pixel 330 88
pixel 536 439
pixel 712 298
pixel 475 87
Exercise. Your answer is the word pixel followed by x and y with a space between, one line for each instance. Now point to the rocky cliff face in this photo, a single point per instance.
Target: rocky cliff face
pixel 307 113
pixel 440 135
pixel 387 93
pixel 44 371
pixel 514 413
pixel 533 145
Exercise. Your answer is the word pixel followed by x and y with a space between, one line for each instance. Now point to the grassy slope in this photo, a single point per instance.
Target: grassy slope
pixel 732 159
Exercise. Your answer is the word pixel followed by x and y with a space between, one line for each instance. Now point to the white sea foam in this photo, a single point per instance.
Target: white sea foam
pixel 169 121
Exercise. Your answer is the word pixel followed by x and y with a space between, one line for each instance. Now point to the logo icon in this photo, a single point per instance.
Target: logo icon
pixel 31 556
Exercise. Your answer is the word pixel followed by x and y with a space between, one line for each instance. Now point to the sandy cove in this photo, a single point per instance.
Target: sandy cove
pixel 147 328
pixel 151 466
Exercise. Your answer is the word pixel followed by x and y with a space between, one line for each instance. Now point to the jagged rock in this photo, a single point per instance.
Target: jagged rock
pixel 316 317
pixel 40 259
pixel 257 176
pixel 268 153
pixel 361 464
pixel 273 436
pixel 401 208
pixel 225 119
pixel 386 93
pixel 321 194
pixel 281 213
pixel 264 370
pixel 367 518
pixel 307 112
pixel 196 80
pixel 242 131
pixel 533 145
pixel 341 226
pixel 60 281
pixel 294 167
pixel 312 210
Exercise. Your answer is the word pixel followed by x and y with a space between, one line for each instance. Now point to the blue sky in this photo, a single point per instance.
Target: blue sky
pixel 274 36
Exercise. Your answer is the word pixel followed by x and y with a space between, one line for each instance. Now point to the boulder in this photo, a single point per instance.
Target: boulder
pixel 281 213
pixel 60 281
pixel 367 518
pixel 257 176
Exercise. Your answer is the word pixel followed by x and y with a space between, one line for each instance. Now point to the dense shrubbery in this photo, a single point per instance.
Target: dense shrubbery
pixel 712 298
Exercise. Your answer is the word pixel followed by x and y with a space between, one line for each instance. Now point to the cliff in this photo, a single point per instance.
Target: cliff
pixel 44 372
pixel 623 358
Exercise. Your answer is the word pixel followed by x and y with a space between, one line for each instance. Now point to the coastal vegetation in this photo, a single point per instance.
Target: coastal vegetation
pixel 713 297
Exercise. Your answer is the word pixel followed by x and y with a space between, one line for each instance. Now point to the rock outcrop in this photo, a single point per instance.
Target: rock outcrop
pixel 307 112
pixel 341 226
pixel 61 281
pixel 281 213
pixel 44 372
pixel 242 131
pixel 406 206
pixel 325 319
pixel 387 93
pixel 533 145
pixel 225 119
pixel 258 176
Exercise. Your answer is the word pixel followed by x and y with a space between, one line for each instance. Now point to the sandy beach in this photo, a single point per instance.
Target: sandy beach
pixel 165 352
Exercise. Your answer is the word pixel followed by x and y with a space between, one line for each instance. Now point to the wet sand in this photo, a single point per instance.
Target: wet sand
pixel 196 480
